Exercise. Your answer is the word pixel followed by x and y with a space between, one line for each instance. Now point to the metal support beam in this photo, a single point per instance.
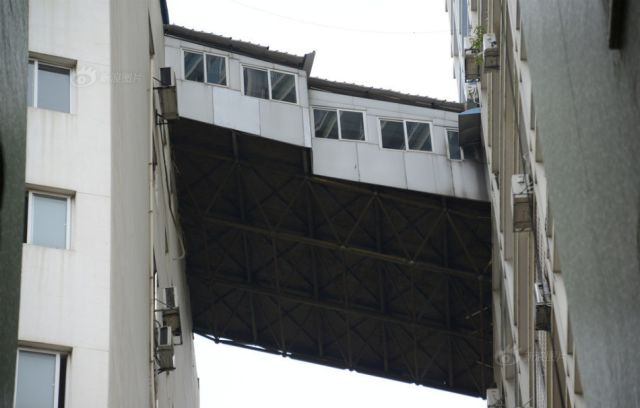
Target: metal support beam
pixel 285 236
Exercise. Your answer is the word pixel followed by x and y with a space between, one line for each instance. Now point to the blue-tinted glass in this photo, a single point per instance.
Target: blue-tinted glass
pixel 216 70
pixel 351 125
pixel 49 221
pixel 454 145
pixel 392 133
pixel 193 66
pixel 36 382
pixel 53 88
pixel 326 123
pixel 256 83
pixel 283 87
pixel 419 136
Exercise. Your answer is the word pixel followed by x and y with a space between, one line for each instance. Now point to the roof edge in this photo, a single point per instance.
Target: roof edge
pixel 241 47
pixel 385 95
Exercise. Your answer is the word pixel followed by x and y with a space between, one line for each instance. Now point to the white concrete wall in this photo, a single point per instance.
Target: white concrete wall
pixel 366 161
pixel 65 293
pixel 95 299
pixel 227 106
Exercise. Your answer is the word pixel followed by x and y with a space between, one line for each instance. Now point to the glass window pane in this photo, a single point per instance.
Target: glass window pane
pixel 36 382
pixel 256 83
pixel 454 146
pixel 283 87
pixel 216 70
pixel 49 221
pixel 419 136
pixel 471 152
pixel 326 123
pixel 53 88
pixel 352 125
pixel 30 83
pixel 193 66
pixel 392 134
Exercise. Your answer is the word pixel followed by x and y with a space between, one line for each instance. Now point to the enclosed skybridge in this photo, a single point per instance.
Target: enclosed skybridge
pixel 329 223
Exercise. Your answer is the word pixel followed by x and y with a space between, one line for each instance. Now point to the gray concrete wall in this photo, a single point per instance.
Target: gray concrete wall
pixel 130 377
pixel 13 130
pixel 586 100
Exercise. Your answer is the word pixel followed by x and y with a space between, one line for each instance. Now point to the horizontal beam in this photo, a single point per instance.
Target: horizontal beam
pixel 399 260
pixel 486 215
pixel 381 317
pixel 331 362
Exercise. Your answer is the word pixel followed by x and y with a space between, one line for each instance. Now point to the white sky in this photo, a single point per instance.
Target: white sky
pixel 402 45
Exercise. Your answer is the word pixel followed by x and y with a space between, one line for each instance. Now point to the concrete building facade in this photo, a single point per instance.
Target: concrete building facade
pixel 103 234
pixel 553 84
pixel 101 242
pixel 536 359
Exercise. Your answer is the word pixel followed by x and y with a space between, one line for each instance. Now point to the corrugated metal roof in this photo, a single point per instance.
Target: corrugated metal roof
pixel 241 47
pixel 383 95
pixel 305 63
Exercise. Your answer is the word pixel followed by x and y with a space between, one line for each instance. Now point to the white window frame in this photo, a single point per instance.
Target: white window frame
pixel 30 215
pixel 446 134
pixel 338 110
pixel 57 372
pixel 204 66
pixel 269 70
pixel 406 134
pixel 36 62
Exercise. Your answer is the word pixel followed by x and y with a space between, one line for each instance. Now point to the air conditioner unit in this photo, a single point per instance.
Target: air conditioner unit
pixel 171 311
pixel 168 94
pixel 521 196
pixel 490 52
pixel 164 349
pixel 494 399
pixel 543 309
pixel 471 66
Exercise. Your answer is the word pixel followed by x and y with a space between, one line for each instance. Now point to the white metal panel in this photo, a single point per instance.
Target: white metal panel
pixel 335 158
pixel 306 126
pixel 444 178
pixel 235 111
pixel 421 171
pixel 468 179
pixel 195 101
pixel 383 167
pixel 234 74
pixel 373 129
pixel 438 140
pixel 281 121
pixel 173 58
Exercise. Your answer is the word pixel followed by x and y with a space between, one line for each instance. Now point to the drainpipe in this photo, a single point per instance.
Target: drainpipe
pixel 152 286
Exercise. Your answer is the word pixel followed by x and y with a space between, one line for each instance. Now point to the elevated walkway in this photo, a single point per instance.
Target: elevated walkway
pixel 331 250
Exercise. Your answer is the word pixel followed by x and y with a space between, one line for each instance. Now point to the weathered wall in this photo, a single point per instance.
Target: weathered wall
pixel 13 124
pixel 586 100
pixel 64 303
pixel 130 377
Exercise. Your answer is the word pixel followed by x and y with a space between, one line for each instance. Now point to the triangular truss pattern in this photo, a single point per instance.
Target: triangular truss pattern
pixel 373 279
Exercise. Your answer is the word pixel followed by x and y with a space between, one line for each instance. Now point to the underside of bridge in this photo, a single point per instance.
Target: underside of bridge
pixel 383 281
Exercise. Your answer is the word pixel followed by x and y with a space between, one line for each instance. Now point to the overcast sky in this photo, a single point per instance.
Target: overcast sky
pixel 402 45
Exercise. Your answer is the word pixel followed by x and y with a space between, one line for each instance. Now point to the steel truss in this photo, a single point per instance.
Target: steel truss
pixel 373 279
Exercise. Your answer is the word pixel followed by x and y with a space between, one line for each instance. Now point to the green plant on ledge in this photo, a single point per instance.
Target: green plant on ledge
pixel 476 43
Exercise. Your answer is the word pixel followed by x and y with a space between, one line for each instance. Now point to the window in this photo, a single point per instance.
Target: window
pixel 203 67
pixel 404 134
pixel 49 86
pixel 349 127
pixel 269 84
pixel 455 152
pixel 40 380
pixel 48 220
